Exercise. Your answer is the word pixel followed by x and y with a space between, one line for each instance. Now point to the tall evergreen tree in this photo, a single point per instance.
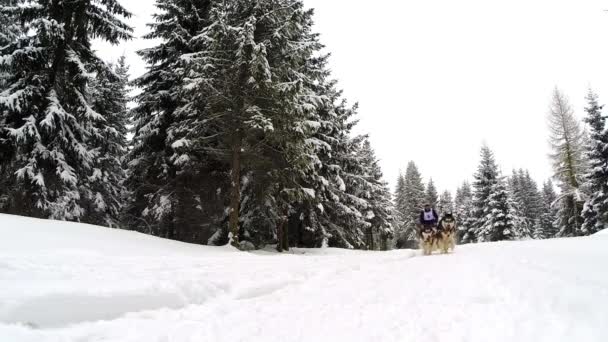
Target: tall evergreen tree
pixel 595 212
pixel 528 200
pixel 332 217
pixel 534 201
pixel 10 30
pixel 549 212
pixel 465 218
pixel 566 138
pixel 446 204
pixel 259 93
pixel 431 195
pixel 55 132
pixel 399 198
pixel 499 221
pixel 379 210
pixel 414 200
pixel 247 138
pixel 165 186
pixel 108 97
pixel 344 211
pixel 486 178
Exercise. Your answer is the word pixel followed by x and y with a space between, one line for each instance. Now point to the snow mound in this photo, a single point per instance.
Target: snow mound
pixel 75 282
pixel 603 232
pixel 60 273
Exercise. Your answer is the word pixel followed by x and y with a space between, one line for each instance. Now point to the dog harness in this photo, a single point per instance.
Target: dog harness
pixel 428 216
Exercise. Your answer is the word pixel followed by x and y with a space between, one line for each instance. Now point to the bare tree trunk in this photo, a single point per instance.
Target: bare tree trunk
pixel 286 231
pixel 283 233
pixel 235 195
pixel 280 236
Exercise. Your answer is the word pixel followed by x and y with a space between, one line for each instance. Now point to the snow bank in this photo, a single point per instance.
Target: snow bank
pixel 28 235
pixel 602 232
pixel 56 274
pixel 75 282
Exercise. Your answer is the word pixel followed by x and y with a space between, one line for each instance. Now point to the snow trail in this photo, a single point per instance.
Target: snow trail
pixel 73 282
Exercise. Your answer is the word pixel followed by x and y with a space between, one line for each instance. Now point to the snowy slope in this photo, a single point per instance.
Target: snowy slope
pixel 74 282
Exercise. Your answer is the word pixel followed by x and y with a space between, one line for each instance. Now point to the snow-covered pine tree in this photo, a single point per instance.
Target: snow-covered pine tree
pixel 379 211
pixel 499 221
pixel 11 28
pixel 486 177
pixel 250 75
pixel 346 225
pixel 566 138
pixel 335 216
pixel 103 199
pixel 517 193
pixel 595 212
pixel 431 196
pixel 525 193
pixel 446 204
pixel 348 220
pixel 399 199
pixel 514 185
pixel 246 117
pixel 549 211
pixel 10 31
pixel 414 198
pixel 539 232
pixel 46 113
pixel 173 193
pixel 465 218
pixel 534 204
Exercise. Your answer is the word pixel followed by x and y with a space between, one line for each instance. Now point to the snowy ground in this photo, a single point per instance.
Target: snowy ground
pixel 73 282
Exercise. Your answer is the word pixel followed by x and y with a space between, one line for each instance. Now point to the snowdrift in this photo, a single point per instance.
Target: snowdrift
pixel 75 282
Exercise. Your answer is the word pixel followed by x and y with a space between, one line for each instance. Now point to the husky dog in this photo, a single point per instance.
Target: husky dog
pixel 446 234
pixel 428 239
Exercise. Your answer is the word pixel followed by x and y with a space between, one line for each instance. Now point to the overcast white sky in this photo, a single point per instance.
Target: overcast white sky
pixel 436 78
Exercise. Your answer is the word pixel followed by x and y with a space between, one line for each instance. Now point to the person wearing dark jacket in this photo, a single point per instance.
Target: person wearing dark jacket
pixel 428 217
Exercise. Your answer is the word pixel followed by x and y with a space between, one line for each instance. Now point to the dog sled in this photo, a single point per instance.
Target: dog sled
pixel 438 238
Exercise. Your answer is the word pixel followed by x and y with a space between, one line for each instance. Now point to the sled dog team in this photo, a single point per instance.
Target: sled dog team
pixel 436 234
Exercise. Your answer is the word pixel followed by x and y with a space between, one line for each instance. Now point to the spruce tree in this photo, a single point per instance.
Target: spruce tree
pixel 258 92
pixel 533 198
pixel 595 211
pixel 11 28
pixel 414 198
pixel 528 200
pixel 55 132
pixel 106 192
pixel 337 216
pixel 431 196
pixel 446 204
pixel 249 119
pixel 379 210
pixel 539 232
pixel 465 218
pixel 486 178
pixel 177 189
pixel 10 31
pixel 516 188
pixel 399 199
pixel 549 211
pixel 566 138
pixel 346 223
pixel 499 221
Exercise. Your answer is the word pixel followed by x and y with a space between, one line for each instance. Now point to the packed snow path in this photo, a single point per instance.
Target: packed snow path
pixel 74 282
